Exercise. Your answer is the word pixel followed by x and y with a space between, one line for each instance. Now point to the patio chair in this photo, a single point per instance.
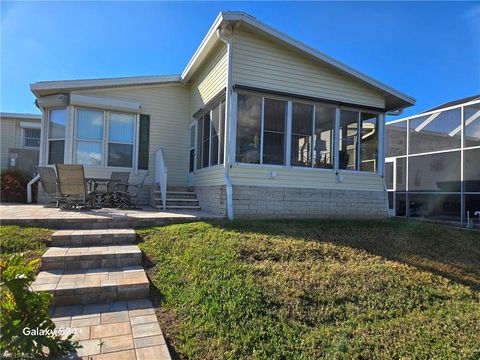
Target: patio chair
pixel 127 198
pixel 48 179
pixel 107 196
pixel 72 187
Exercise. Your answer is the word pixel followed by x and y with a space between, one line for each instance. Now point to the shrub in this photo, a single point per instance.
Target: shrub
pixel 21 309
pixel 14 185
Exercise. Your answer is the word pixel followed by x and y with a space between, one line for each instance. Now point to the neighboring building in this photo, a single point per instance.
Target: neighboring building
pixel 258 123
pixel 20 140
pixel 433 162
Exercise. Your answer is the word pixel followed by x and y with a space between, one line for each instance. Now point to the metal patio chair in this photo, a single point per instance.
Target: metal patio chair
pixel 72 186
pixel 127 198
pixel 107 196
pixel 48 179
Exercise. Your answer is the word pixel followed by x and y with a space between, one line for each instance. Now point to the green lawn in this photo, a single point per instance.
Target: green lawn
pixel 30 240
pixel 316 289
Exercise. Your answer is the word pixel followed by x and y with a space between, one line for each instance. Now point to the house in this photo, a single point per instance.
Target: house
pixel 20 141
pixel 432 164
pixel 259 124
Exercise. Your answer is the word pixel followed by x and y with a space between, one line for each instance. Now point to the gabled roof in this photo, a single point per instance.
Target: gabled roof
pixel 453 103
pixel 394 98
pixel 51 87
pixel 21 116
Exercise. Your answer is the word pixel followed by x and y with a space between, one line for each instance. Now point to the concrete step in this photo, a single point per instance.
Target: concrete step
pixel 92 286
pixel 93 237
pixel 86 257
pixel 178 202
pixel 180 207
pixel 176 195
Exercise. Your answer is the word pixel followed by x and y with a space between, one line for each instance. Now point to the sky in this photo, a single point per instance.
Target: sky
pixel 428 50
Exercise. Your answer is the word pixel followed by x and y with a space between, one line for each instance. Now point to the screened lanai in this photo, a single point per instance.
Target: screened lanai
pixel 432 164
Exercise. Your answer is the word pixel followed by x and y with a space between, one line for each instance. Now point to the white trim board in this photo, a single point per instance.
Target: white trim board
pixel 104 103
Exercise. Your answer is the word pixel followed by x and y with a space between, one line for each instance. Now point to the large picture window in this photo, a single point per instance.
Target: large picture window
pixel 210 129
pixel 104 138
pixel 268 127
pixel 89 129
pixel 302 135
pixel 348 140
pixel 324 142
pixel 274 126
pixel 56 135
pixel 249 117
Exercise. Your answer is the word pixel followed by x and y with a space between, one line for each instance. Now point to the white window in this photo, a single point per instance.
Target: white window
pixel 31 137
pixel 90 131
pixel 56 135
pixel 104 138
pixel 121 134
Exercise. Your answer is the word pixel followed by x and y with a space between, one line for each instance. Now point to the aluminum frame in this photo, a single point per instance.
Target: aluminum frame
pixel 461 149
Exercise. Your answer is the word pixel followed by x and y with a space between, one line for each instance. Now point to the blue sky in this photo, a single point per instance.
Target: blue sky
pixel 429 50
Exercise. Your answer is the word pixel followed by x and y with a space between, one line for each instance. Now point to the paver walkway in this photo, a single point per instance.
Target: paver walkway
pixel 100 295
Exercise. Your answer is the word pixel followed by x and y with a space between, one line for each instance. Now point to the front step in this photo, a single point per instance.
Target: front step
pixel 91 257
pixel 91 286
pixel 178 207
pixel 176 194
pixel 93 237
pixel 177 200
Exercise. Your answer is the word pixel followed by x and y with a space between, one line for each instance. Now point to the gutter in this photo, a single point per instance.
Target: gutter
pixel 226 158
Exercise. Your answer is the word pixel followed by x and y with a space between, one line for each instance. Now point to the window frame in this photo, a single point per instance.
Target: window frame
pixel 47 134
pixel 24 137
pixel 200 131
pixel 105 141
pixel 108 142
pixel 288 134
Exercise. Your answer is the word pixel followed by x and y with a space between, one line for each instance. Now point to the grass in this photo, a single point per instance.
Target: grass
pixel 316 289
pixel 31 241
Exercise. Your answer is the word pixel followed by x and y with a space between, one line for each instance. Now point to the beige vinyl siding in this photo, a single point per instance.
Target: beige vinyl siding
pixel 8 136
pixel 260 63
pixel 304 178
pixel 168 107
pixel 209 176
pixel 210 79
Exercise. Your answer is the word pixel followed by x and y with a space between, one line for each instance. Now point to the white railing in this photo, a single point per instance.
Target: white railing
pixel 29 187
pixel 161 175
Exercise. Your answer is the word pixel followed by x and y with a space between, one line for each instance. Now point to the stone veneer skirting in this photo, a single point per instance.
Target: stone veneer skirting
pixel 284 202
pixel 212 199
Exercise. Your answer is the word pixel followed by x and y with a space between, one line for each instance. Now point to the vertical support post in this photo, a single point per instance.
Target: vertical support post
pixel 336 145
pixel 462 178
pixel 381 146
pixel 288 132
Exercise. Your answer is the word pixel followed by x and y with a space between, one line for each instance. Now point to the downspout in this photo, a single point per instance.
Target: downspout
pixel 228 121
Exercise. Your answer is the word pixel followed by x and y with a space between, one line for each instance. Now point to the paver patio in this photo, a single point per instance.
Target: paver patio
pixel 38 215
pixel 118 330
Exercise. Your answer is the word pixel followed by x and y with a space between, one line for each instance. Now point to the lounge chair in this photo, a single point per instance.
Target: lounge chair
pixel 48 179
pixel 72 186
pixel 127 198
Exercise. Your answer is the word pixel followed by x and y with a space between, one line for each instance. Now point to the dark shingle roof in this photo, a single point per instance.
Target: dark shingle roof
pixel 453 103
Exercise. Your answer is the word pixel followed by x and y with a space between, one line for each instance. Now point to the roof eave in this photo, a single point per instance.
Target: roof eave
pixel 40 88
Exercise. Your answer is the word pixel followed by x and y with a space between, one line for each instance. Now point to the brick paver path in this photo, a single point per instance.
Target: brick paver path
pixel 100 295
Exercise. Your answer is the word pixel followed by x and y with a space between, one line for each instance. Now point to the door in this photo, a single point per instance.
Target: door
pixel 390 176
pixel 192 139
